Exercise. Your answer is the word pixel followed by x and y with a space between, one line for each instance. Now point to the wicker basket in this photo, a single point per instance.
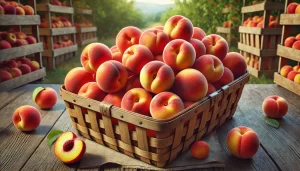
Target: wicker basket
pixel 144 138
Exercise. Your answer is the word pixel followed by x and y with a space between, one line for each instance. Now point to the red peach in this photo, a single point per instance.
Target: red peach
pixel 187 104
pixel 5 76
pixel 236 63
pixel 198 33
pixel 133 82
pixel 155 40
pixel 9 9
pixel 76 78
pixel 298 36
pixel 296 68
pixel 15 72
pixel 25 69
pixel 31 40
pixel 159 58
pixel 216 45
pixel 116 54
pixel 45 98
pixel 127 37
pixel 291 8
pixel 28 10
pixel 296 44
pixel 25 60
pixel 275 106
pixel 284 71
pixel 4 44
pixel 297 11
pixel 26 118
pixel 20 35
pixel 291 75
pixel 11 64
pixel 114 98
pixel 179 27
pixel 227 77
pixel 92 91
pixel 289 41
pixel 200 149
pixel 199 47
pixel 34 65
pixel 18 43
pixel 20 11
pixel 210 89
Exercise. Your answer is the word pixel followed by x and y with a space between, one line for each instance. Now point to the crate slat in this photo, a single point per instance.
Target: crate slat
pixel 84 11
pixel 289 53
pixel 257 51
pixel 290 19
pixel 86 29
pixel 86 42
pixel 260 31
pixel 54 8
pixel 57 31
pixel 223 30
pixel 264 6
pixel 25 50
pixel 12 20
pixel 286 83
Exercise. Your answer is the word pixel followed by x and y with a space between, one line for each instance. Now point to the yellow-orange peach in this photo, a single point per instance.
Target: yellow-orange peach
pixel 296 68
pixel 236 63
pixel 135 57
pixel 26 118
pixel 289 41
pixel 133 82
pixel 45 98
pixel 210 66
pixel 127 37
pixel 93 55
pixel 284 71
pixel 215 45
pixel 297 79
pixel 111 76
pixel 291 75
pixel 291 8
pixel 198 33
pixel 179 27
pixel 137 100
pixel 200 149
pixel 34 65
pixel 242 142
pixel 165 105
pixel 157 77
pixel 155 40
pixel 296 44
pixel 227 77
pixel 114 98
pixel 199 47
pixel 210 89
pixel 298 36
pixel 116 54
pixel 92 91
pixel 297 10
pixel 179 54
pixel 275 106
pixel 15 72
pixel 190 85
pixel 68 148
pixel 76 78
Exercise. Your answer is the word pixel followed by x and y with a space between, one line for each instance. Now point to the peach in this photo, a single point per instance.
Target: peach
pixel 25 69
pixel 4 44
pixel 76 78
pixel 24 42
pixel 155 40
pixel 15 72
pixel 199 47
pixel 225 24
pixel 135 57
pixel 200 149
pixel 68 148
pixel 116 54
pixel 137 100
pixel 187 104
pixel 9 9
pixel 297 79
pixel 190 85
pixel 34 65
pixel 275 106
pixel 28 10
pixel 31 40
pixel 158 58
pixel 260 25
pixel 198 33
pixel 179 54
pixel 273 24
pixel 179 27
pixel 216 45
pixel 25 60
pixel 284 71
pixel 5 76
pixel 133 82
pixel 45 98
pixel 289 41
pixel 297 11
pixel 210 89
pixel 242 142
pixel 11 64
pixel 1 10
pixel 11 38
pixel 127 37
pixel 210 66
pixel 165 105
pixel 296 68
pixel 236 63
pixel 291 75
pixel 157 77
pixel 20 11
pixel 26 118
pixel 291 8
pixel 114 98
pixel 92 91
pixel 227 77
pixel 298 36
pixel 18 43
pixel 93 55
pixel 296 44
pixel 111 76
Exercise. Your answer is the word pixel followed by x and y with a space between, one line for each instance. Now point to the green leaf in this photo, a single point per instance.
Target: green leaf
pixel 36 92
pixel 272 122
pixel 52 136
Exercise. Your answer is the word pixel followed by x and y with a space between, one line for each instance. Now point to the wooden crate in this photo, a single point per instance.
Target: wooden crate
pixel 34 50
pixel 225 32
pixel 258 45
pixel 153 141
pixel 291 26
pixel 53 57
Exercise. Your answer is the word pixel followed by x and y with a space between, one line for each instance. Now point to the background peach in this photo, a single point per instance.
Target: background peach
pixel 291 8
pixel 92 91
pixel 289 41
pixel 291 75
pixel 155 40
pixel 34 65
pixel 45 98
pixel 198 33
pixel 236 63
pixel 76 78
pixel 284 71
pixel 216 45
pixel 199 47
pixel 296 44
pixel 116 54
pixel 200 149
pixel 26 118
pixel 179 27
pixel 133 82
pixel 227 77
pixel 127 37
pixel 210 89
pixel 114 98
pixel 275 106
pixel 15 72
pixel 4 76
pixel 25 69
pixel 297 79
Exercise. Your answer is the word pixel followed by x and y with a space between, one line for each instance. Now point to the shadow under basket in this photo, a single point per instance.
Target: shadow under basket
pixel 153 141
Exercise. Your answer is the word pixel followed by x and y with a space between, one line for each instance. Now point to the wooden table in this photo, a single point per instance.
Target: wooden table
pixel 279 148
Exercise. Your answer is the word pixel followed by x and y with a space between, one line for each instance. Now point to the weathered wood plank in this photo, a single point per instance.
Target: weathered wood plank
pixel 12 20
pixel 15 52
pixel 290 19
pixel 8 97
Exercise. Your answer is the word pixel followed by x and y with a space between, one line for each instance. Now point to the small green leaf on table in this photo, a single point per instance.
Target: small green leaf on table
pixel 52 136
pixel 36 92
pixel 272 122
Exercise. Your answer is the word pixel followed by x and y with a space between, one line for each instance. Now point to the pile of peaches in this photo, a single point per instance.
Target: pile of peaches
pixel 57 22
pixel 227 24
pixel 58 3
pixel 293 42
pixel 293 8
pixel 15 39
pixel 15 68
pixel 291 73
pixel 258 21
pixel 15 8
pixel 64 42
pixel 83 23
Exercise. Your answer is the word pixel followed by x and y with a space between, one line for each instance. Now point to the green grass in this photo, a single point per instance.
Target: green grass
pixel 262 80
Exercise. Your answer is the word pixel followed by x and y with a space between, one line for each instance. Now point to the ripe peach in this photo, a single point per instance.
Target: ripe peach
pixel 165 105
pixel 9 9
pixel 210 89
pixel 198 33
pixel 155 40
pixel 93 55
pixel 284 71
pixel 127 37
pixel 157 77
pixel 5 76
pixel 11 64
pixel 11 38
pixel 68 148
pixel 179 27
pixel 297 10
pixel 25 60
pixel 114 98
pixel 291 8
pixel 92 91
pixel 296 68
pixel 179 54
pixel 45 98
pixel 190 85
pixel 20 11
pixel 4 44
pixel 26 118
pixel 116 54
pixel 135 57
pixel 31 40
pixel 199 47
pixel 15 72
pixel 289 41
pixel 216 45
pixel 297 79
pixel 158 58
pixel 200 149
pixel 25 69
pixel 298 36
pixel 137 100
pixel 28 10
pixel 210 66
pixel 242 142
pixel 133 82
pixel 291 75
pixel 111 76
pixel 187 104
pixel 227 77
pixel 76 78
pixel 236 63
pixel 296 44
pixel 18 43
pixel 275 106
pixel 260 25
pixel 34 65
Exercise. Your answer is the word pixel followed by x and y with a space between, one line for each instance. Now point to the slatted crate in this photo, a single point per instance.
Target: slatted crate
pixel 33 51
pixel 291 26
pixel 226 32
pixel 258 45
